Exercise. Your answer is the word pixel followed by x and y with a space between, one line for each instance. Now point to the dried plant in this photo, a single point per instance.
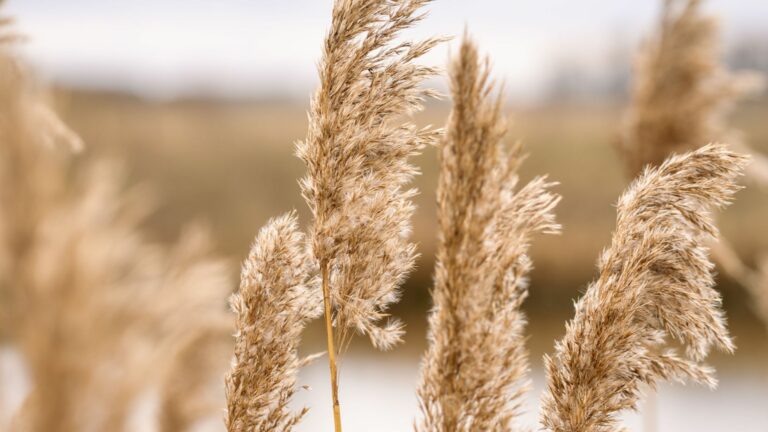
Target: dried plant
pixel 98 313
pixel 655 282
pixel 275 300
pixel 357 159
pixel 681 91
pixel 679 102
pixel 473 374
pixel 357 152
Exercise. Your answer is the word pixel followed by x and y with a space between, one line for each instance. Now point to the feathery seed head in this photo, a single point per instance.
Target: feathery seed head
pixel 357 155
pixel 655 282
pixel 681 91
pixel 275 300
pixel 473 374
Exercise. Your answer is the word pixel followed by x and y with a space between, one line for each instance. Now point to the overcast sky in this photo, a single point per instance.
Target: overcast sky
pixel 269 47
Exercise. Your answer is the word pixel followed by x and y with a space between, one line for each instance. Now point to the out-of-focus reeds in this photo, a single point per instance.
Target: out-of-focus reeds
pixel 655 283
pixel 681 92
pixel 680 99
pixel 101 316
pixel 474 372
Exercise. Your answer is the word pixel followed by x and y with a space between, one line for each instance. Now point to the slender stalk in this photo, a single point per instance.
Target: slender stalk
pixel 331 349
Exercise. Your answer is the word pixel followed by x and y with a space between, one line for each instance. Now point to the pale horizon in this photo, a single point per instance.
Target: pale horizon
pixel 269 48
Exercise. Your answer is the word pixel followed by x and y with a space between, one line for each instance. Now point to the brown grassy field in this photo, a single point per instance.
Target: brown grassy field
pixel 232 164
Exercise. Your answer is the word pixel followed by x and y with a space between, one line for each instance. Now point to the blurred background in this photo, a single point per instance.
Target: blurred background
pixel 204 101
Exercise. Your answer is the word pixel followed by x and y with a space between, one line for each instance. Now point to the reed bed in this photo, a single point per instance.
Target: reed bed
pixel 103 317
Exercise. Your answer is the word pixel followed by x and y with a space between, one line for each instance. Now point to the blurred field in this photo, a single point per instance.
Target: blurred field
pixel 232 164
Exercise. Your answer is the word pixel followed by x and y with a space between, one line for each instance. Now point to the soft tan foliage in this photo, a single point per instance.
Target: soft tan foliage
pixel 99 314
pixel 655 282
pixel 681 91
pixel 473 374
pixel 679 102
pixel 357 152
pixel 273 304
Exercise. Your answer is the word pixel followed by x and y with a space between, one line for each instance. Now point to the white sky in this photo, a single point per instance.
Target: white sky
pixel 162 48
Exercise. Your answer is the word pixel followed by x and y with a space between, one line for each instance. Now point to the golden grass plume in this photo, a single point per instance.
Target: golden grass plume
pixel 681 91
pixel 474 371
pixel 655 282
pixel 681 96
pixel 357 152
pixel 275 300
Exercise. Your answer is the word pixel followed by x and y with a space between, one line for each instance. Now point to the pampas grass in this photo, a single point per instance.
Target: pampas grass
pixel 680 98
pixel 100 315
pixel 473 374
pixel 274 302
pixel 681 93
pixel 655 282
pixel 356 153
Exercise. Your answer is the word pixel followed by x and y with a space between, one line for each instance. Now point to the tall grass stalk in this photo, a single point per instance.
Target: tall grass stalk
pixel 356 152
pixel 474 372
pixel 655 283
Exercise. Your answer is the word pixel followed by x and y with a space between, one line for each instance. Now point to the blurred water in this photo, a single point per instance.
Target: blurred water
pixel 377 395
pixel 13 384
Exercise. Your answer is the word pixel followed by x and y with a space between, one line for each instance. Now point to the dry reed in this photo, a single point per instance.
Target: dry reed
pixel 474 372
pixel 680 98
pixel 655 282
pixel 275 300
pixel 356 153
pixel 681 92
pixel 98 313
pixel 357 159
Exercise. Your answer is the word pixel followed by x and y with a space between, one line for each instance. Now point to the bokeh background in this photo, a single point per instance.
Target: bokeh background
pixel 204 100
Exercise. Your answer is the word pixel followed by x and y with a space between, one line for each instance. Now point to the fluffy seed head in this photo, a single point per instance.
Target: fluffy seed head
pixel 357 152
pixel 473 374
pixel 655 283
pixel 273 304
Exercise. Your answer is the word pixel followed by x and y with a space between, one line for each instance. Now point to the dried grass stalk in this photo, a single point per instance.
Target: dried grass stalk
pixel 681 91
pixel 681 96
pixel 655 282
pixel 97 312
pixel 273 304
pixel 357 152
pixel 473 374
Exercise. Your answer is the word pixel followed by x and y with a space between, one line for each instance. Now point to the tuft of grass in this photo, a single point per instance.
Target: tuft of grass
pixel 655 282
pixel 474 371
